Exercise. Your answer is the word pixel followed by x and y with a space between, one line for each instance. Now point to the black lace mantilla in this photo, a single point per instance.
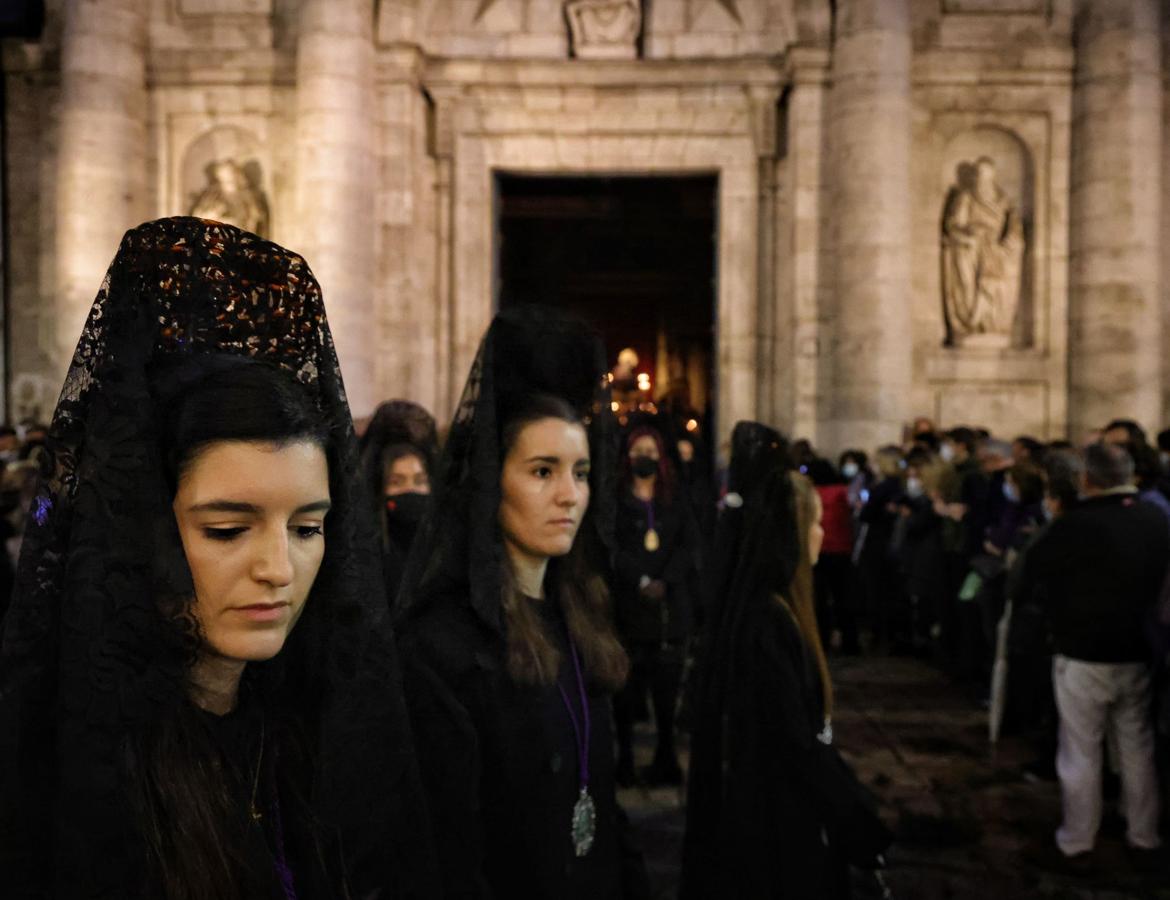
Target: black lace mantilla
pixel 87 650
pixel 459 548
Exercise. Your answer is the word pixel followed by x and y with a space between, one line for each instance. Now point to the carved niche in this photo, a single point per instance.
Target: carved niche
pixel 222 178
pixel 983 247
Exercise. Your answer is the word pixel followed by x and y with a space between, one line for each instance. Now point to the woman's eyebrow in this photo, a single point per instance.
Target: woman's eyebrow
pixel 233 506
pixel 251 509
pixel 544 459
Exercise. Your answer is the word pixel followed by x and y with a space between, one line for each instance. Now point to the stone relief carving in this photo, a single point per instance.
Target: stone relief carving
pixel 233 195
pixel 982 259
pixel 604 29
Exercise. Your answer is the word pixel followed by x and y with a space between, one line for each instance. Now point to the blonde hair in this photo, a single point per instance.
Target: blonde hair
pixel 799 596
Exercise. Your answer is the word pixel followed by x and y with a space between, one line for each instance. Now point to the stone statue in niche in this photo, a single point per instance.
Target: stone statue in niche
pixel 982 259
pixel 604 29
pixel 233 195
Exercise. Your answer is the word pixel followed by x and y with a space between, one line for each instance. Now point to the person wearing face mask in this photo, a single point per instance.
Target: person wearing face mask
pixel 1101 567
pixel 772 810
pixel 919 540
pixel 399 451
pixel 656 542
pixel 878 572
pixel 1031 705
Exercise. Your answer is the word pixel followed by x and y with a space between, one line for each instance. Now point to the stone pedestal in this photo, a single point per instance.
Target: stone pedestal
pixel 1115 320
pixel 869 156
pixel 336 189
pixel 101 172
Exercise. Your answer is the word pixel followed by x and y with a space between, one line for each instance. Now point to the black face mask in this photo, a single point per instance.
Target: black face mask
pixel 644 466
pixel 404 513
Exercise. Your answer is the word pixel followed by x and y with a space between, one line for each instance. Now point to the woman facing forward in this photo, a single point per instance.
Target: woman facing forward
pixel 772 811
pixel 508 652
pixel 198 693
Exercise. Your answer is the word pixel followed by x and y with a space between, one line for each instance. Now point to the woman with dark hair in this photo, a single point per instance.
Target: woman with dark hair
pixel 657 543
pixel 199 696
pixel 508 651
pixel 398 452
pixel 772 811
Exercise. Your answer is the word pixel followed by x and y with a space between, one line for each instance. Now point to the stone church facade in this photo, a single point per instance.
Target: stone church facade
pixel 946 207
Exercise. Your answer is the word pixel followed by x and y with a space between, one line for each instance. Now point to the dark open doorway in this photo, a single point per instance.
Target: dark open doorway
pixel 635 257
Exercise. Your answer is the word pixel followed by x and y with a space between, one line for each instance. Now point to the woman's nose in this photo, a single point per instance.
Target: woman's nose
pixel 273 563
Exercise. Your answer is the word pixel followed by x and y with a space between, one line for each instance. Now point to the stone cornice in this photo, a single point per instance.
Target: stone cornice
pixel 696 73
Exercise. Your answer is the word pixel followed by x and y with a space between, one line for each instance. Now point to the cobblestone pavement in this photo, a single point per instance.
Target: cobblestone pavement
pixel 969 824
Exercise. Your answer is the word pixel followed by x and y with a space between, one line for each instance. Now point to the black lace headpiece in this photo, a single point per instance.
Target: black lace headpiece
pixel 87 653
pixel 397 422
pixel 526 351
pixel 756 550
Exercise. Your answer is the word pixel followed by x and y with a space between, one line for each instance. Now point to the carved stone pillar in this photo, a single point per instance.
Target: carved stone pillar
pixel 1115 242
pixel 101 162
pixel 336 189
pixel 869 128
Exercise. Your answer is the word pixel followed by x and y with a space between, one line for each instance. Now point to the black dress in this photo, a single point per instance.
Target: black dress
pixel 289 856
pixel 765 836
pixel 500 766
pixel 772 810
pixel 654 632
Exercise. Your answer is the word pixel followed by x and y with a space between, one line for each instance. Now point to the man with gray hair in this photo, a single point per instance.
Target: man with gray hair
pixel 1100 567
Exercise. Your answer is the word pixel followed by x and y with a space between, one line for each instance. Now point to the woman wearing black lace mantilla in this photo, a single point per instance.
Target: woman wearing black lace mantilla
pixel 165 730
pixel 399 450
pixel 772 810
pixel 509 656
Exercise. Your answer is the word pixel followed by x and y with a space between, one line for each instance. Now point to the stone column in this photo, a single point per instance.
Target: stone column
pixel 101 161
pixel 869 182
pixel 336 185
pixel 1114 312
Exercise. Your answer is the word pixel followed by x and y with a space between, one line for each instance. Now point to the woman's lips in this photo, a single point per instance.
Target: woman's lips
pixel 262 612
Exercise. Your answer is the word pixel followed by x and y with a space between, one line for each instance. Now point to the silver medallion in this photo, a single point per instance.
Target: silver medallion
pixel 584 822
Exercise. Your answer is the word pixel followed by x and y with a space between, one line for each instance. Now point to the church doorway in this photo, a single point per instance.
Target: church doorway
pixel 635 256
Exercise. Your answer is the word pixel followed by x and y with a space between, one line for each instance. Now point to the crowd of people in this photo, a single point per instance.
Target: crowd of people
pixel 1035 574
pixel 250 653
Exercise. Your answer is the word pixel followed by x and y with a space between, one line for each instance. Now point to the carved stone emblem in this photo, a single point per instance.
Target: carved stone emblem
pixel 233 195
pixel 982 259
pixel 604 29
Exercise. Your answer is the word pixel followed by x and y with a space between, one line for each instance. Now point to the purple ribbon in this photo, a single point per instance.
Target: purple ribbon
pixel 582 746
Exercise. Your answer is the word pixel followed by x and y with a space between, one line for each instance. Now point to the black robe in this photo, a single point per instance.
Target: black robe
pixel 499 765
pixel 757 830
pixel 640 620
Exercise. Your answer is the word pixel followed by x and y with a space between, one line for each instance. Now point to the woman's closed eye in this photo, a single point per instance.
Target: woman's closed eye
pixel 224 533
pixel 231 532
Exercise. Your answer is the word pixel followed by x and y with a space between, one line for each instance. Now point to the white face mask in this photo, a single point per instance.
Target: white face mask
pixel 849 470
pixel 947 452
pixel 914 487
